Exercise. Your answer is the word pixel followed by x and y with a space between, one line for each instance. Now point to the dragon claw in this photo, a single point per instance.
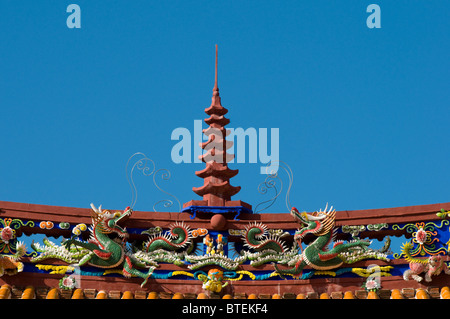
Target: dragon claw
pixel 68 243
pixel 277 271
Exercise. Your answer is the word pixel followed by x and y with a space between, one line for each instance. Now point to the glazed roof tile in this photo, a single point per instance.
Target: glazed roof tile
pixel 31 292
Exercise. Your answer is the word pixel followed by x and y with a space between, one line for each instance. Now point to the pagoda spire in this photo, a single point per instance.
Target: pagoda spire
pixel 216 189
pixel 216 86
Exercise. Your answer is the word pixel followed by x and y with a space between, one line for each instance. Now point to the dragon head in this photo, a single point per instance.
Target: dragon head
pixel 306 218
pixel 108 222
pixel 301 217
pixel 318 223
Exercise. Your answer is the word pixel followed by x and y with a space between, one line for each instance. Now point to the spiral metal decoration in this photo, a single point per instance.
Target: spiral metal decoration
pixel 270 182
pixel 148 168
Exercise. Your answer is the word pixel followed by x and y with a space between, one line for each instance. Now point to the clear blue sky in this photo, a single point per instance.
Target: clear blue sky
pixel 363 113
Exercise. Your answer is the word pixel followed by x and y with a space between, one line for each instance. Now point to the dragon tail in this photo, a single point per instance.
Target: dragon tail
pixel 406 251
pixel 179 236
pixel 21 250
pixel 256 237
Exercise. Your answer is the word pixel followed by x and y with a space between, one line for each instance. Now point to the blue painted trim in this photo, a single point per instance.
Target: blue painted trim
pixel 193 210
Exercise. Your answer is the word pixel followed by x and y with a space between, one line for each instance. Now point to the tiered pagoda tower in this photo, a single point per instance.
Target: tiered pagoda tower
pixel 216 190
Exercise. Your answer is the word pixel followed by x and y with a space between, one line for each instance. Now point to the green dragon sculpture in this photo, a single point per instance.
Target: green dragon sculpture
pixel 166 247
pixel 101 250
pixel 316 254
pixel 267 247
pixel 256 238
pixel 179 236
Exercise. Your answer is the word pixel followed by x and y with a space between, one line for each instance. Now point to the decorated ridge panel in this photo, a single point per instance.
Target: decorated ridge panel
pixel 317 249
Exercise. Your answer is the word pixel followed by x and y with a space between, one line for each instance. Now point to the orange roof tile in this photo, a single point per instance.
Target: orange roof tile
pixel 101 295
pixel 31 292
pixel 78 294
pixel 372 295
pixel 53 294
pixel 324 296
pixel 445 293
pixel 396 294
pixel 5 292
pixel 202 296
pixel 349 295
pixel 152 295
pixel 127 295
pixel 422 294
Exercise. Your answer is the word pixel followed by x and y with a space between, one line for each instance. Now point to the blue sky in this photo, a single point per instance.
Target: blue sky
pixel 363 113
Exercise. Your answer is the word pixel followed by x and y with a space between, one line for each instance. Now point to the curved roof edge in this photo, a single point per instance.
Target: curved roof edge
pixel 278 220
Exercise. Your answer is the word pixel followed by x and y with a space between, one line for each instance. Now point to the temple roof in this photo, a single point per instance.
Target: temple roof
pixel 167 279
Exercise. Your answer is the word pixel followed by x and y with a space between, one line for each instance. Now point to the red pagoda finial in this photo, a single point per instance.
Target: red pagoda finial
pixel 216 189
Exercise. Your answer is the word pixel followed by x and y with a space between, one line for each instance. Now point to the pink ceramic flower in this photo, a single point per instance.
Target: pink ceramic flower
pixel 67 282
pixel 421 236
pixel 7 234
pixel 372 284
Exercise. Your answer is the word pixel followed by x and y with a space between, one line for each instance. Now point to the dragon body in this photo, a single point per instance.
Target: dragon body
pixel 106 247
pixel 316 254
